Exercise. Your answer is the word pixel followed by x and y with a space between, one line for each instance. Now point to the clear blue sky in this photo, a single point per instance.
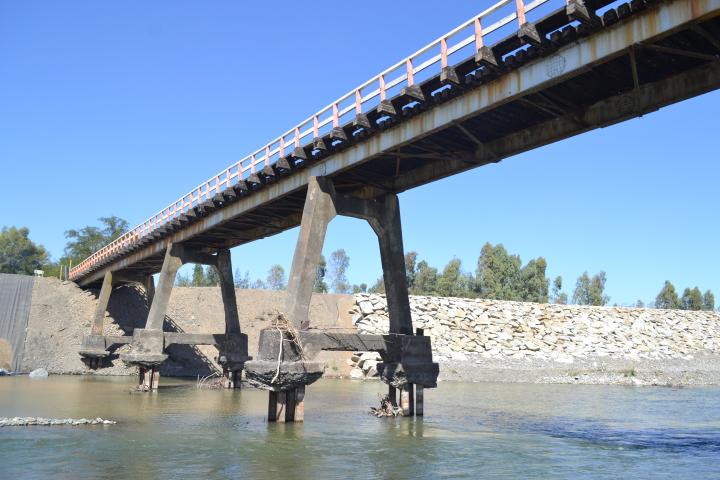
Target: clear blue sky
pixel 121 107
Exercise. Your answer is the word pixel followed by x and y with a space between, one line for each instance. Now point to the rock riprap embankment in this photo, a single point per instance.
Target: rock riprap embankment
pixel 561 333
pixel 40 421
pixel 364 365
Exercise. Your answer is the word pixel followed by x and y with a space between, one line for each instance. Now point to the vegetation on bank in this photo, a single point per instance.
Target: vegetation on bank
pixel 498 274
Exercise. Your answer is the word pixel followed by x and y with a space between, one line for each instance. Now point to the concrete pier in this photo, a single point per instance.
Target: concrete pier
pixel 285 353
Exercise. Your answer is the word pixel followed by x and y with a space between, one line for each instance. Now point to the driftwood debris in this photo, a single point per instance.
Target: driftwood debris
pixel 386 409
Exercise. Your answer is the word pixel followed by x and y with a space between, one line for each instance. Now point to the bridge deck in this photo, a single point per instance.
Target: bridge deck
pixel 635 60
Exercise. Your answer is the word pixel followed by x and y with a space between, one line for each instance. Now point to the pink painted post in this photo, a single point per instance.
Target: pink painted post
pixel 358 102
pixel 410 73
pixel 297 136
pixel 267 155
pixel 443 53
pixel 316 126
pixel 381 80
pixel 336 116
pixel 520 7
pixel 478 35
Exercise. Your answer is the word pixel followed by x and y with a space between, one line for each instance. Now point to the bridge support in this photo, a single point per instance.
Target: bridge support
pixel 286 378
pixel 148 344
pixel 92 349
pixel 233 353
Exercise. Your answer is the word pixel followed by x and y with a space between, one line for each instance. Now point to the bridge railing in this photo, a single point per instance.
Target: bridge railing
pixel 426 62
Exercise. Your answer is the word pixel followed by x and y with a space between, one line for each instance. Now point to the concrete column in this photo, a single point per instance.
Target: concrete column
pixel 272 406
pixel 281 406
pixel 102 304
pixel 232 371
pixel 299 404
pixel 227 288
pixel 171 265
pixel 392 395
pixel 388 228
pixel 407 398
pixel 319 210
pixel 419 400
pixel 148 378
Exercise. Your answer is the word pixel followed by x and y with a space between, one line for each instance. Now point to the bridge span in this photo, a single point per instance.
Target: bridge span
pixel 515 77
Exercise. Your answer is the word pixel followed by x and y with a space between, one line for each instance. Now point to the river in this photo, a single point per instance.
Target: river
pixel 470 430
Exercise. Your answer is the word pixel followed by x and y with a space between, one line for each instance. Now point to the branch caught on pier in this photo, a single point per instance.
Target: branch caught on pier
pixel 386 409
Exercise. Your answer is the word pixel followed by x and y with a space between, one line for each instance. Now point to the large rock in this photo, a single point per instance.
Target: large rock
pixel 366 308
pixel 39 373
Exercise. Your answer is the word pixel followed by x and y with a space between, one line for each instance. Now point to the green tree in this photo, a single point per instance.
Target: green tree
pixel 411 269
pixel 497 273
pixel 533 284
pixel 667 298
pixel 84 242
pixel 426 279
pixel 591 291
pixel 558 295
pixel 276 278
pixel 183 281
pixel 320 284
pixel 708 301
pixel 19 254
pixel 639 304
pixel 212 276
pixel 198 276
pixel 452 282
pixel 501 276
pixel 339 264
pixel 378 286
pixel 691 299
pixel 362 288
pixel 258 285
pixel 240 280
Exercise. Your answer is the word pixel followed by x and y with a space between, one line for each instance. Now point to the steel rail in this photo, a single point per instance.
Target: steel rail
pixel 271 152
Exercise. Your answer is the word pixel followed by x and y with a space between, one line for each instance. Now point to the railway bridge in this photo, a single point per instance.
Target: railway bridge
pixel 517 76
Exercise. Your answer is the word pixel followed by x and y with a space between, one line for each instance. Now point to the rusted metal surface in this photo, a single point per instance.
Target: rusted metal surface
pixel 572 60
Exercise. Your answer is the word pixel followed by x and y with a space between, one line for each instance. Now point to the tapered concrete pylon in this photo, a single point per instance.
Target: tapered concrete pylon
pixel 93 348
pixel 388 228
pixel 233 352
pixel 319 210
pixel 161 298
pixel 148 344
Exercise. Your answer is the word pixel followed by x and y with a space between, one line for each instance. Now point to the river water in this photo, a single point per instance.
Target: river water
pixel 469 431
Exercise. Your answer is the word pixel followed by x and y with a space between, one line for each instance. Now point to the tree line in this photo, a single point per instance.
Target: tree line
pixel 498 275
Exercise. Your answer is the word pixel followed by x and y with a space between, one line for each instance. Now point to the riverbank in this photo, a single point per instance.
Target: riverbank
pixel 473 340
